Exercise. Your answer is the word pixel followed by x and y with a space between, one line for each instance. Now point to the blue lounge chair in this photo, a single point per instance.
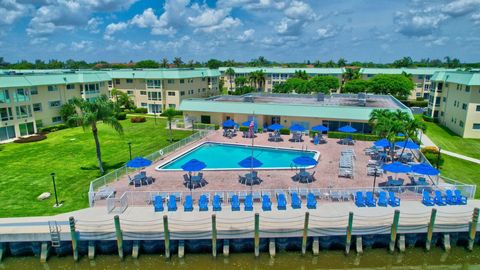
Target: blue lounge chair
pixel 188 204
pixel 235 203
pixel 382 199
pixel 296 202
pixel 248 203
pixel 359 200
pixel 393 201
pixel 203 203
pixel 311 201
pixel 281 202
pixel 439 198
pixel 427 199
pixel 450 198
pixel 461 200
pixel 217 203
pixel 266 203
pixel 158 204
pixel 369 200
pixel 172 203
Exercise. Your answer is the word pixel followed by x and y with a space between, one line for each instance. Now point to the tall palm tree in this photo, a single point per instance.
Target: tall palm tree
pixel 170 114
pixel 164 63
pixel 89 113
pixel 252 79
pixel 259 77
pixel 230 73
pixel 177 61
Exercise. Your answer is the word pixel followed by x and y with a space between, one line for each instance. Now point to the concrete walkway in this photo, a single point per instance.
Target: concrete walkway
pixel 426 141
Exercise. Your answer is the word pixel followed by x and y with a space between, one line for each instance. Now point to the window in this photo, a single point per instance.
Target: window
pixel 427 77
pixel 182 81
pixel 70 86
pixel 54 104
pixel 92 88
pixel 117 81
pixel 129 80
pixel 26 129
pixel 24 111
pixel 182 93
pixel 467 88
pixel 4 96
pixel 171 93
pixel 171 106
pixel 437 101
pixel 464 106
pixel 205 119
pixel 7 133
pixel 444 99
pixel 441 113
pixel 478 108
pixel 37 107
pixel 154 96
pixel 153 83
pixel 130 92
pixel 204 89
pixel 143 104
pixel 102 84
pixel 110 84
pixel 21 95
pixel 476 126
pixel 455 103
pixel 56 119
pixel 170 81
pixel 52 88
pixel 33 91
pixel 6 114
pixel 143 93
pixel 39 123
pixel 461 123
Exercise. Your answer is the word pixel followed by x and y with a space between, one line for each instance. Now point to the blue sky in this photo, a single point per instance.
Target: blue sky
pixel 281 30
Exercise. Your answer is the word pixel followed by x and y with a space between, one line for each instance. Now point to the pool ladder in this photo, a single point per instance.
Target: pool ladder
pixel 54 233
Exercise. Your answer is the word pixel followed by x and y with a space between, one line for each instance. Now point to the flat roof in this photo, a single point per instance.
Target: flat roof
pixel 460 77
pixel 270 70
pixel 18 79
pixel 163 73
pixel 336 106
pixel 414 71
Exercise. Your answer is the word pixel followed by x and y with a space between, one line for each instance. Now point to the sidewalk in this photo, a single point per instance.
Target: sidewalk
pixel 427 142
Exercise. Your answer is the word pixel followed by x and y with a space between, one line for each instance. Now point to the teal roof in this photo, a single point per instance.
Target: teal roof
pixel 281 70
pixel 460 77
pixel 166 73
pixel 37 79
pixel 298 110
pixel 413 71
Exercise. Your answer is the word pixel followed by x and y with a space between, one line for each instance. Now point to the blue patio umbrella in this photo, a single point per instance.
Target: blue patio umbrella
pixel 275 127
pixel 297 128
pixel 382 143
pixel 247 124
pixel 400 135
pixel 250 162
pixel 229 123
pixel 139 162
pixel 425 169
pixel 305 161
pixel 320 128
pixel 194 165
pixel 397 167
pixel 347 129
pixel 409 144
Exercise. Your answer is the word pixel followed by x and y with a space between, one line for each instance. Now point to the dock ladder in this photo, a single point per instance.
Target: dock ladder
pixel 54 233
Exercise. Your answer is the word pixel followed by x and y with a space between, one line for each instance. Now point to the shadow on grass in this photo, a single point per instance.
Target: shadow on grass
pixel 106 166
pixel 447 130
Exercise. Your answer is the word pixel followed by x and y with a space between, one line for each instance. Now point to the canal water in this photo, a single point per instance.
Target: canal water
pixel 413 258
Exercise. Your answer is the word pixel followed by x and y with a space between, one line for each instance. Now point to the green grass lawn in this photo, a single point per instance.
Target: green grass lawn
pixel 71 155
pixel 448 140
pixel 461 170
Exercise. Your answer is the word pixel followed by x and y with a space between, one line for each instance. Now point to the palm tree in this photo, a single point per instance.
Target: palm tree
pixel 177 61
pixel 258 77
pixel 342 62
pixel 252 79
pixel 114 93
pixel 170 114
pixel 230 73
pixel 164 63
pixel 89 113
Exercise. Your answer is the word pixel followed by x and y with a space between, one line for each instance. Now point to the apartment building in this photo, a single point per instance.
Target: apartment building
pixel 277 75
pixel 31 100
pixel 158 89
pixel 455 101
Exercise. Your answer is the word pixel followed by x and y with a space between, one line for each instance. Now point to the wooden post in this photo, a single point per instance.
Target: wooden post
pixel 472 231
pixel 119 235
pixel 73 235
pixel 359 244
pixel 135 249
pixel 271 247
pixel 181 249
pixel 45 248
pixel 3 247
pixel 431 225
pixel 401 243
pixel 446 242
pixel 226 247
pixel 257 235
pixel 91 250
pixel 315 246
pixel 348 240
pixel 305 233
pixel 166 234
pixel 394 230
pixel 214 235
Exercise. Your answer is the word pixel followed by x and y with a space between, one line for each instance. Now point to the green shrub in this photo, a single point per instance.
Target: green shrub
pixel 53 128
pixel 176 113
pixel 284 131
pixel 33 138
pixel 427 118
pixel 121 116
pixel 420 99
pixel 242 128
pixel 355 136
pixel 433 157
pixel 138 119
pixel 180 124
pixel 141 110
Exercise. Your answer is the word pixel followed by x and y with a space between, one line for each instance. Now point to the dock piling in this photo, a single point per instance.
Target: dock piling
pixel 271 247
pixel 446 242
pixel 348 239
pixel 431 226
pixel 226 247
pixel 358 244
pixel 45 249
pixel 91 250
pixel 257 235
pixel 315 246
pixel 394 230
pixel 3 247
pixel 401 243
pixel 305 233
pixel 119 235
pixel 135 249
pixel 181 249
pixel 166 234
pixel 73 235
pixel 472 231
pixel 214 235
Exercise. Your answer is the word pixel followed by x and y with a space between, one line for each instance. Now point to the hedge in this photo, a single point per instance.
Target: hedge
pixel 53 128
pixel 355 136
pixel 284 131
pixel 138 119
pixel 415 103
pixel 141 110
pixel 121 116
pixel 33 138
pixel 427 118
pixel 176 113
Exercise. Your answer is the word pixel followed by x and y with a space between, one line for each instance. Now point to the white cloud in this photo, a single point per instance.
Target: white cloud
pixel 113 28
pixel 476 18
pixel 60 46
pixel 418 22
pixel 299 10
pixel 253 4
pixel 11 11
pixel 461 7
pixel 326 32
pixel 84 45
pixel 93 24
pixel 126 45
pixel 247 35
pixel 289 27
pixel 432 40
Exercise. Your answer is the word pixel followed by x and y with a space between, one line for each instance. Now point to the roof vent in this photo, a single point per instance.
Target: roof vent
pixel 362 99
pixel 248 99
pixel 320 96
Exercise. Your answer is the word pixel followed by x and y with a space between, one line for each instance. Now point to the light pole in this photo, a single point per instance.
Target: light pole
pixel 193 125
pixel 55 190
pixel 438 157
pixel 155 112
pixel 130 149
pixel 374 180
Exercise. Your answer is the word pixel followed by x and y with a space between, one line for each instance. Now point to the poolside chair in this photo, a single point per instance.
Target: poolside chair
pixel 440 200
pixel 248 203
pixel 188 204
pixel 203 203
pixel 369 200
pixel 427 199
pixel 266 203
pixel 359 200
pixel 392 200
pixel 235 203
pixel 158 204
pixel 461 200
pixel 311 201
pixel 382 199
pixel 450 198
pixel 172 203
pixel 281 202
pixel 217 203
pixel 296 201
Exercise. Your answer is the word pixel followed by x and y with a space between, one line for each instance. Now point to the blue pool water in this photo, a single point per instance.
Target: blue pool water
pixel 226 156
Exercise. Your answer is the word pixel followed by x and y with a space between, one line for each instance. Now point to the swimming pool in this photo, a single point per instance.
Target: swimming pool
pixel 220 156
